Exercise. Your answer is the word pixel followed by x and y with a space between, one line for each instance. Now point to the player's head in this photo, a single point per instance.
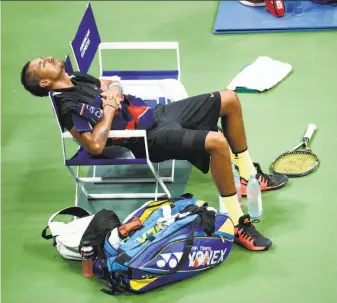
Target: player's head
pixel 39 75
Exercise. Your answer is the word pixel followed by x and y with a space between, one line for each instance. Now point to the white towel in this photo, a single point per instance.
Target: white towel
pixel 261 75
pixel 114 239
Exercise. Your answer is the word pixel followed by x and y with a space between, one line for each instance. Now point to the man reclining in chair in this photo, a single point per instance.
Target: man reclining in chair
pixel 183 130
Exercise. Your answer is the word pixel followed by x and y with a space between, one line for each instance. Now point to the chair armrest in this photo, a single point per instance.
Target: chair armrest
pixel 112 134
pixel 127 133
pixel 115 134
pixel 67 135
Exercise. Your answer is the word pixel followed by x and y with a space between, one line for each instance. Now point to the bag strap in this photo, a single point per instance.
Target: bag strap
pixel 188 245
pixel 75 211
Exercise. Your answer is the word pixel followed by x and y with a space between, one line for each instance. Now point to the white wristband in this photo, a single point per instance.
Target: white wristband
pixel 116 78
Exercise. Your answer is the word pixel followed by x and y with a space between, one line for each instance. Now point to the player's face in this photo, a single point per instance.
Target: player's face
pixel 47 68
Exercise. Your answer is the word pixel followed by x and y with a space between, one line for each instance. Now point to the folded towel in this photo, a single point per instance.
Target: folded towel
pixel 261 75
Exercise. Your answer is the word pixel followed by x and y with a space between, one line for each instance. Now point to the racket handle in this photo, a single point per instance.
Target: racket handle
pixel 308 134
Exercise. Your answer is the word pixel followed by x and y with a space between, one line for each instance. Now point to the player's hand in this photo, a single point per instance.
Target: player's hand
pixel 112 98
pixel 115 92
pixel 115 89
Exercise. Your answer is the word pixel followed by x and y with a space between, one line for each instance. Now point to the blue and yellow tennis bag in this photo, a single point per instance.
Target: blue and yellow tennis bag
pixel 179 238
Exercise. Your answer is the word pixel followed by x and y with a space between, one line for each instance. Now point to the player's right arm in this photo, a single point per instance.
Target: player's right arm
pixel 95 141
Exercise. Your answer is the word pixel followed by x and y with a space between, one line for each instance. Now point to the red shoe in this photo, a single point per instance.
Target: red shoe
pixel 267 182
pixel 248 237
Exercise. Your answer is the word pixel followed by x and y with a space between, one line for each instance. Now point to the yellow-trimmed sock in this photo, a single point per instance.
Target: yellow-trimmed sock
pixel 232 205
pixel 245 164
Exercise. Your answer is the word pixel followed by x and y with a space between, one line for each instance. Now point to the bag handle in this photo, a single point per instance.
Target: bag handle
pixel 188 246
pixel 75 211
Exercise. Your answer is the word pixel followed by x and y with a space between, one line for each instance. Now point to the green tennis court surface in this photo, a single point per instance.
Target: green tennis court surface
pixel 300 219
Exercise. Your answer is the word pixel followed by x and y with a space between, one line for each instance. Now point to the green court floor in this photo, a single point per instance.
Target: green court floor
pixel 300 219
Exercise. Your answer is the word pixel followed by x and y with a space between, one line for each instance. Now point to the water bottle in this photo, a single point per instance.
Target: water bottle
pixel 87 253
pixel 237 183
pixel 254 199
pixel 222 206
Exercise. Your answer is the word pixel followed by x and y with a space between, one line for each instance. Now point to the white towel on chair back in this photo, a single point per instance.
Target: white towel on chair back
pixel 173 89
pixel 262 74
pixel 170 88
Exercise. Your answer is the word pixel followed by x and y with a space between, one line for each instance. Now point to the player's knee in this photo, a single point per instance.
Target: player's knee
pixel 216 142
pixel 229 101
pixel 229 96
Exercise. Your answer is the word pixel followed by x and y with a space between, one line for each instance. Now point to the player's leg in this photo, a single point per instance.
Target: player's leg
pixel 203 112
pixel 245 233
pixel 234 131
pixel 171 141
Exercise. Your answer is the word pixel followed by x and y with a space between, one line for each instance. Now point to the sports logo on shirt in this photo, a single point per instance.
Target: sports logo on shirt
pixel 92 110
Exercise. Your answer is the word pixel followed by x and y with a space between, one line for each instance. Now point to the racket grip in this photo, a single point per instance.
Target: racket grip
pixel 310 130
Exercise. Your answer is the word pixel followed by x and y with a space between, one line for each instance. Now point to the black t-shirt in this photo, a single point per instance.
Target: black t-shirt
pixel 86 88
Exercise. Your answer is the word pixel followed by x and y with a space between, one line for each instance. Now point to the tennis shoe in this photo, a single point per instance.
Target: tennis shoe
pixel 253 2
pixel 246 235
pixel 267 182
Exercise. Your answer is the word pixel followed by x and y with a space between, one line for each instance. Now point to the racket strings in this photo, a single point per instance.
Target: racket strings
pixel 295 163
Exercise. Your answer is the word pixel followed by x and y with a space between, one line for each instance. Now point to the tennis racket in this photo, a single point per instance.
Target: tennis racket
pixel 300 161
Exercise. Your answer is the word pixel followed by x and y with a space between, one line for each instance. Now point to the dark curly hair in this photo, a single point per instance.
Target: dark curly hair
pixel 31 83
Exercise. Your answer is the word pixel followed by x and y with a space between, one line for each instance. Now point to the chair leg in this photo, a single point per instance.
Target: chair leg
pixel 79 184
pixel 84 191
pixel 94 171
pixel 156 190
pixel 172 171
pixel 76 188
pixel 159 180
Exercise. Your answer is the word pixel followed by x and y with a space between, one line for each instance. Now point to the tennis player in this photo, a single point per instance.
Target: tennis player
pixel 183 130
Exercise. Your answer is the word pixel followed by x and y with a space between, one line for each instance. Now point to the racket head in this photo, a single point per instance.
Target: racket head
pixel 295 163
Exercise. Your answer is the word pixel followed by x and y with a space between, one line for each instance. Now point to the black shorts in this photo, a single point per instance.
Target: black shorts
pixel 180 128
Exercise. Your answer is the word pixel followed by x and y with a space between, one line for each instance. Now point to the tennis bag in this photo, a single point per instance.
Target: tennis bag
pixel 178 239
